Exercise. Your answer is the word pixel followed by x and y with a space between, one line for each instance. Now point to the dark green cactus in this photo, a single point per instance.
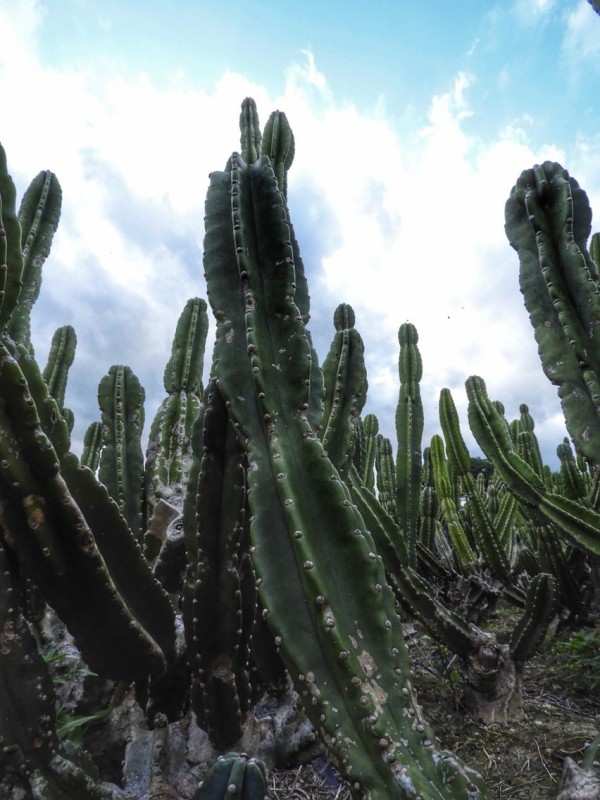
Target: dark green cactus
pixel 169 450
pixel 60 359
pixel 386 475
pixel 278 144
pixel 233 776
pixel 367 472
pixel 409 430
pixel 121 469
pixel 219 598
pixel 38 215
pixel 92 446
pixel 304 527
pixel 548 220
pixel 345 390
pixel 483 529
pixel 11 254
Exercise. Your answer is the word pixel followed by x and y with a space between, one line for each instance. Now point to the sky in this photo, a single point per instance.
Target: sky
pixel 412 122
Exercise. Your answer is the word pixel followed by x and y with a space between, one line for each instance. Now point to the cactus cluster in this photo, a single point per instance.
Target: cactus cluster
pixel 269 536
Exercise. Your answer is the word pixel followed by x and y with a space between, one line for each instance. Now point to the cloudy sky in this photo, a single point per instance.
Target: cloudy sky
pixel 412 120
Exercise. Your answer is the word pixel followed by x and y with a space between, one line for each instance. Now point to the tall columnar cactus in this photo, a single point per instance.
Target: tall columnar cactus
pixel 345 390
pixel 219 598
pixel 56 371
pixel 169 450
pixel 11 254
pixel 489 540
pixel 38 216
pixel 409 430
pixel 121 400
pixel 322 585
pixel 548 221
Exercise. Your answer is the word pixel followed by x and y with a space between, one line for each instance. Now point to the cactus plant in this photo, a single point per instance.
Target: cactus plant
pixel 233 776
pixel 355 688
pixel 548 221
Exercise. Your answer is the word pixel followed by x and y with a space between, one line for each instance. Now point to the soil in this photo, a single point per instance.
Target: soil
pixel 523 761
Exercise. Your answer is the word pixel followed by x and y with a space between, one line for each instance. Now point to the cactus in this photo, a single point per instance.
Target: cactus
pixel 580 524
pixel 345 380
pixel 409 430
pixel 168 459
pixel 356 689
pixel 548 220
pixel 38 217
pixel 121 469
pixel 233 776
pixel 92 446
pixel 219 598
pixel 69 537
pixel 483 530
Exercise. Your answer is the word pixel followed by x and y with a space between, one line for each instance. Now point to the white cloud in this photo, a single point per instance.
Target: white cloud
pixel 582 38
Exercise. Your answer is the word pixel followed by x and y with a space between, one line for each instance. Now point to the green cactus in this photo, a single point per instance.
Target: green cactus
pixel 11 254
pixel 60 359
pixel 169 455
pixel 345 380
pixel 278 144
pixel 38 216
pixel 367 471
pixel 548 221
pixel 233 776
pixel 121 469
pixel 219 598
pixel 304 527
pixel 92 446
pixel 409 430
pixel 483 529
pixel 580 524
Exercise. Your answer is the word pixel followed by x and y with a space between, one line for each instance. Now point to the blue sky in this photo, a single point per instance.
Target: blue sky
pixel 412 122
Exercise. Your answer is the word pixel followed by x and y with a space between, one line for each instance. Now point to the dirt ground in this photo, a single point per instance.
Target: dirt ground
pixel 523 761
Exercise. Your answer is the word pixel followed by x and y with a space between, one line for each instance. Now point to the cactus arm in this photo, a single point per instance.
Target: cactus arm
pixel 38 215
pixel 92 446
pixel 483 527
pixel 352 685
pixel 345 389
pixel 581 525
pixel 548 222
pixel 60 358
pixel 367 474
pixel 11 256
pixel 169 455
pixel 386 476
pixel 540 609
pixel 183 371
pixel 250 136
pixel 121 470
pixel 278 144
pixel 409 430
pixel 460 543
pixel 217 619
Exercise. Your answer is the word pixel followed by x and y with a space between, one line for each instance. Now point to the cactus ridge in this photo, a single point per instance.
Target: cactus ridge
pixel 60 359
